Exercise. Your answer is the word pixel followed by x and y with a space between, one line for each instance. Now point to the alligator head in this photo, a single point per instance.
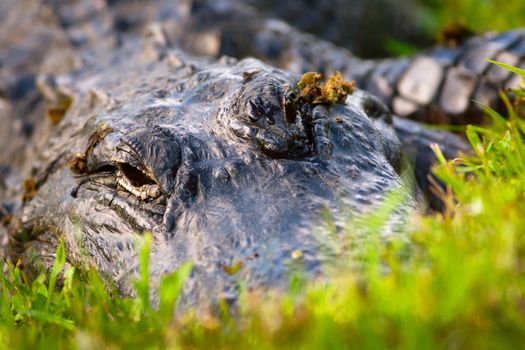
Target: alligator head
pixel 209 158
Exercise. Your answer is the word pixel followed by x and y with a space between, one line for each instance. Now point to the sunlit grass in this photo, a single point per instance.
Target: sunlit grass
pixel 455 280
pixel 459 18
pixel 477 15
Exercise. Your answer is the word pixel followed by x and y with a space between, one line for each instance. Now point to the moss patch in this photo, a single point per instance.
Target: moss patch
pixel 311 89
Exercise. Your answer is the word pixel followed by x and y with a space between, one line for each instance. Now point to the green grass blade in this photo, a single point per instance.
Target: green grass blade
pixel 142 285
pixel 50 318
pixel 510 68
pixel 170 288
pixel 55 270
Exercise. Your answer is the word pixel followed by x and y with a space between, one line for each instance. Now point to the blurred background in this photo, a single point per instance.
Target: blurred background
pixel 384 28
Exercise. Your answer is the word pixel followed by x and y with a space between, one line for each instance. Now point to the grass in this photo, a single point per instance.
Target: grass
pixel 437 17
pixel 457 282
pixel 477 15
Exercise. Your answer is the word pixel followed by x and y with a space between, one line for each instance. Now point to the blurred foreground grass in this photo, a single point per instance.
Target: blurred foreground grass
pixel 457 282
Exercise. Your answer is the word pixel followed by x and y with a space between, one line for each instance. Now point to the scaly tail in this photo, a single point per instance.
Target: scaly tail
pixel 442 85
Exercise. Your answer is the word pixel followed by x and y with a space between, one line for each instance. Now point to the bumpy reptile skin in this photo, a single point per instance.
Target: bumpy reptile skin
pixel 441 85
pixel 237 182
pixel 202 152
pixel 65 36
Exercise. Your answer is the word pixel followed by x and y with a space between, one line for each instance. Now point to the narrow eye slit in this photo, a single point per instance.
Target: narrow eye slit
pixel 135 177
pixel 106 168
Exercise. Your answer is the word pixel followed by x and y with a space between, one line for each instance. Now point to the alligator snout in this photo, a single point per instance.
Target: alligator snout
pixel 226 172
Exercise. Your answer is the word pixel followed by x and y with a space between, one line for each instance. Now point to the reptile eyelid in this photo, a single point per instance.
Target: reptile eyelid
pixel 135 176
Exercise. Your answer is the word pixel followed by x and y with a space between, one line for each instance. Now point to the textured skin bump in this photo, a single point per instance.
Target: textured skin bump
pixel 422 90
pixel 441 85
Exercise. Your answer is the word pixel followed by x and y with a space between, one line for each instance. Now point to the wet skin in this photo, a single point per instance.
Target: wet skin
pixel 206 157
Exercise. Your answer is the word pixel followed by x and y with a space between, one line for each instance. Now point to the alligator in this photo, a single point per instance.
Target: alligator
pixel 214 156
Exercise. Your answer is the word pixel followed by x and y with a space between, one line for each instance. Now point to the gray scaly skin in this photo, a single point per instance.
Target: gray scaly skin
pixel 200 152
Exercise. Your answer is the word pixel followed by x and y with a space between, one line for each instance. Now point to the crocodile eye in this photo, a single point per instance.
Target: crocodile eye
pixel 147 159
pixel 135 177
pixel 137 182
